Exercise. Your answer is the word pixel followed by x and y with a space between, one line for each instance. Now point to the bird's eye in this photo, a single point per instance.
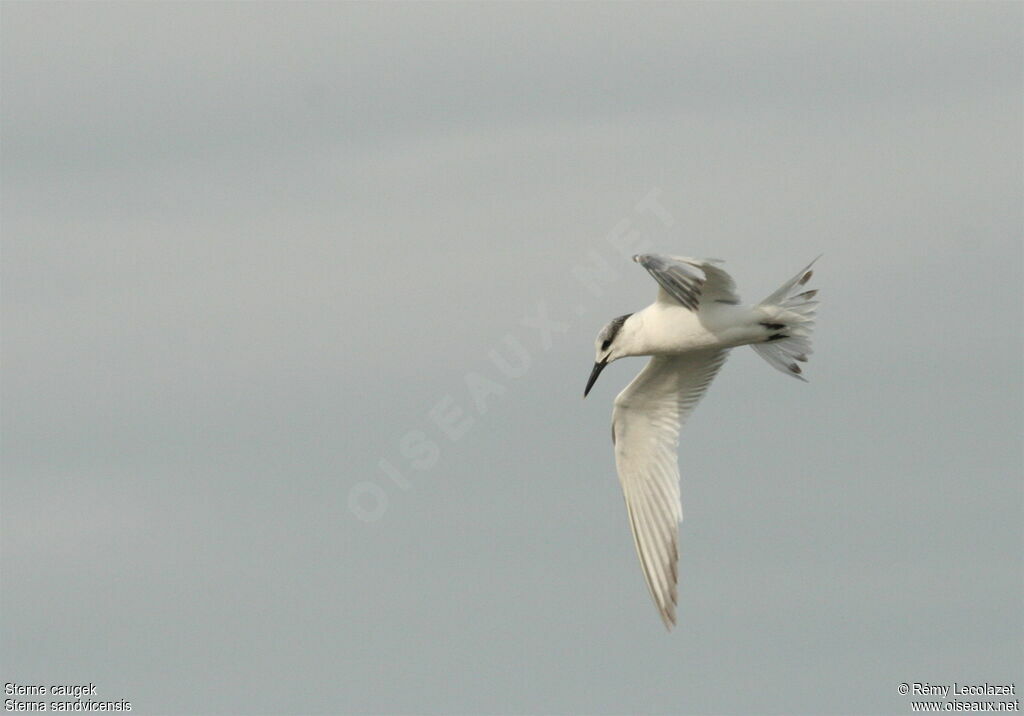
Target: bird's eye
pixel 604 346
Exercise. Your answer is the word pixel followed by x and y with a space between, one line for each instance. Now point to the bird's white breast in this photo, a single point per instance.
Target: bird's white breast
pixel 670 329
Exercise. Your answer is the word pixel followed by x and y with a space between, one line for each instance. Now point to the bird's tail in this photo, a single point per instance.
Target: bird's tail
pixel 788 318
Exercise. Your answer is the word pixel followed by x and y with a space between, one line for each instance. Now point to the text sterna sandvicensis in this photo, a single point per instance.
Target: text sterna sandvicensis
pixel 688 330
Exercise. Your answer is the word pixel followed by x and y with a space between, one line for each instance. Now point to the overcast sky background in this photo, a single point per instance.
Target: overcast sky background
pixel 248 249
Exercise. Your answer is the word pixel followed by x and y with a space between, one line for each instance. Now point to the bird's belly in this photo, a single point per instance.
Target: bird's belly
pixel 683 331
pixel 693 339
pixel 679 332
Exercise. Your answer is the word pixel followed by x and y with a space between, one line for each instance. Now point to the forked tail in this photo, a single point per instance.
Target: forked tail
pixel 788 319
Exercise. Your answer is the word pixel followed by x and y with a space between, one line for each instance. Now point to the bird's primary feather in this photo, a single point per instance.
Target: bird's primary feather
pixel 646 421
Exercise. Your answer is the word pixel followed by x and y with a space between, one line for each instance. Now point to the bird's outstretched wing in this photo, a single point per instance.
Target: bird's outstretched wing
pixel 689 281
pixel 645 429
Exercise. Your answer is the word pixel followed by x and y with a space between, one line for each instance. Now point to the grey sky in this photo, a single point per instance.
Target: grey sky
pixel 248 248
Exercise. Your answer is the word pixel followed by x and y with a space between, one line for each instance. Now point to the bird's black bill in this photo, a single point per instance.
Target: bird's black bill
pixel 598 367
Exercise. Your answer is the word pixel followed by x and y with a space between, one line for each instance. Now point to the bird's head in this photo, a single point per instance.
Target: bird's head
pixel 609 346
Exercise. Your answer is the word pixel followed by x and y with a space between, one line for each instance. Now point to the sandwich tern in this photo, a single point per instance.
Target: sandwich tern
pixel 688 330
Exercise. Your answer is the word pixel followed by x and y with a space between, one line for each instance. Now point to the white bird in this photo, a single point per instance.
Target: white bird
pixel 688 330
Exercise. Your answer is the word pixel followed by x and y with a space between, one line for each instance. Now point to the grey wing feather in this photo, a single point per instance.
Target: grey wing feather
pixel 689 282
pixel 679 280
pixel 718 284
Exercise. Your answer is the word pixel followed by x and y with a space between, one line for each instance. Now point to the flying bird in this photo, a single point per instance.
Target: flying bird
pixel 688 331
